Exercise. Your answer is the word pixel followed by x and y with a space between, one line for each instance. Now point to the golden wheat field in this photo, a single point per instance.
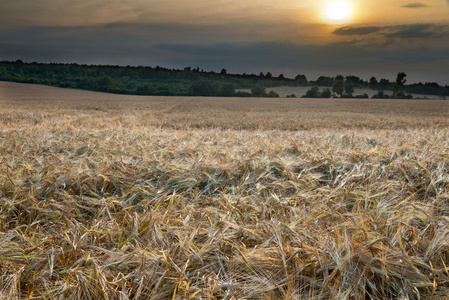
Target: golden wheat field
pixel 124 197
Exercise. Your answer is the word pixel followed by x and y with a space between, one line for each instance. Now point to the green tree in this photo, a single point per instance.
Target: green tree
pixel 339 87
pixel 273 94
pixel 403 95
pixel 227 90
pixel 204 88
pixel 399 84
pixel 381 95
pixel 145 89
pixel 384 84
pixel 314 92
pixel 2 72
pixel 349 89
pixel 103 83
pixel 326 93
pixel 301 79
pixel 373 82
pixel 259 91
pixel 325 81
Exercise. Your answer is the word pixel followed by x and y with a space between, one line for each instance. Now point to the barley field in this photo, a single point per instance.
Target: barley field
pixel 123 197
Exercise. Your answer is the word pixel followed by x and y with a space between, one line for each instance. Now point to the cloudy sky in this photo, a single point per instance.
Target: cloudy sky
pixel 311 37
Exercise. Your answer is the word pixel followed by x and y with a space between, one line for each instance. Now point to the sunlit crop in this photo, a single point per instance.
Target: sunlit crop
pixel 162 198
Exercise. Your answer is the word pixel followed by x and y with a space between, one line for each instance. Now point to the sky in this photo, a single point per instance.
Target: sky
pixel 364 38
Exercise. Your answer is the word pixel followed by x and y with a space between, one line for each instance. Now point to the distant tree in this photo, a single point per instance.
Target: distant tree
pixel 204 88
pixel 326 93
pixel 145 89
pixel 281 77
pixel 349 89
pixel 365 95
pixel 354 80
pixel 227 90
pixel 2 72
pixel 381 95
pixel 259 91
pixel 339 77
pixel 242 94
pixel 268 75
pixel 273 94
pixel 339 87
pixel 131 85
pixel 402 95
pixel 373 82
pixel 444 93
pixel 261 75
pixel 400 79
pixel 314 92
pixel 384 83
pixel 103 83
pixel 399 84
pixel 325 81
pixel 301 79
pixel 223 72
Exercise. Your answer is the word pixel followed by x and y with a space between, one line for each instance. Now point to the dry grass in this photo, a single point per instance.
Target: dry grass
pixel 162 198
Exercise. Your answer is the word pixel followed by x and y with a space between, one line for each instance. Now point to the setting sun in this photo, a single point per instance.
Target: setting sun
pixel 338 11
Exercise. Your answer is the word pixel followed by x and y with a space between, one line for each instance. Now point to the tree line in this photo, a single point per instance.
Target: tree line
pixel 143 80
pixel 340 86
pixel 344 88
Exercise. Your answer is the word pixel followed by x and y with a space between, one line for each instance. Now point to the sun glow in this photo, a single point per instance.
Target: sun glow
pixel 338 11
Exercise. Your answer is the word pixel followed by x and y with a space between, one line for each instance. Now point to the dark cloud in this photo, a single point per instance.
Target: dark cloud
pixel 285 53
pixel 313 60
pixel 408 31
pixel 415 5
pixel 170 46
pixel 424 31
pixel 349 30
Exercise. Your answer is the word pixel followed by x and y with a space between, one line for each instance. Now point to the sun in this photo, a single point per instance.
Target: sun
pixel 338 11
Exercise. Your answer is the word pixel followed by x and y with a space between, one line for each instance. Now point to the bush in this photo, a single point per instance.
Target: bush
pixel 259 91
pixel 381 95
pixel 402 95
pixel 326 93
pixel 204 88
pixel 273 94
pixel 227 90
pixel 312 93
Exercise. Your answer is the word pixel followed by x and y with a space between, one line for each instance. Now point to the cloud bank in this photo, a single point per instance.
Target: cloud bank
pixel 155 44
pixel 381 51
pixel 407 31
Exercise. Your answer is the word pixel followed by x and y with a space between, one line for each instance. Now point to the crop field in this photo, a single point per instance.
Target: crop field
pixel 125 197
